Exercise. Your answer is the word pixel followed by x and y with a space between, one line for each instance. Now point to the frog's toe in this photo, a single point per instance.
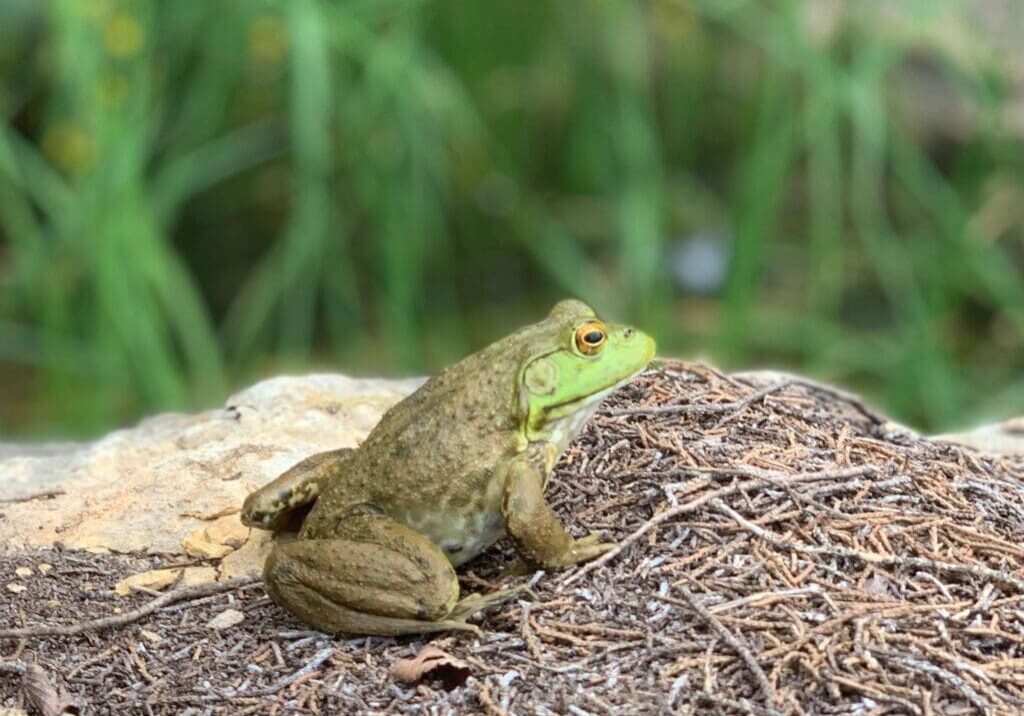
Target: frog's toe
pixel 518 568
pixel 458 625
pixel 588 548
pixel 474 603
pixel 594 538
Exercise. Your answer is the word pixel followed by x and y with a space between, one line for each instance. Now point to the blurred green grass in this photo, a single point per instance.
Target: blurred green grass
pixel 197 193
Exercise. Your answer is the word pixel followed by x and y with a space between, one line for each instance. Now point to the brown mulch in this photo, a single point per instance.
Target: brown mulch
pixel 784 551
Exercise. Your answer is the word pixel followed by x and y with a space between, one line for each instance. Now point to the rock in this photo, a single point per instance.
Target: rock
pixel 247 561
pixel 197 575
pixel 163 578
pixel 226 619
pixel 153 579
pixel 218 539
pixel 174 477
pixel 23 572
pixel 195 547
pixel 1006 438
pixel 15 588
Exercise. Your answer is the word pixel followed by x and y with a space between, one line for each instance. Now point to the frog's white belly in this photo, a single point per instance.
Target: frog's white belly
pixel 464 537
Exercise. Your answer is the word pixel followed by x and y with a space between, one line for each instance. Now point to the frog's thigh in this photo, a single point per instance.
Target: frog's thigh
pixel 376 576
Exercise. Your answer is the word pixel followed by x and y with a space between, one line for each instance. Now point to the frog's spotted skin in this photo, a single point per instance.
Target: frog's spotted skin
pixel 281 504
pixel 272 507
pixel 446 472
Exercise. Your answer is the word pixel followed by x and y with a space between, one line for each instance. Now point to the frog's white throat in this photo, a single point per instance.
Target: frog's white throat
pixel 563 428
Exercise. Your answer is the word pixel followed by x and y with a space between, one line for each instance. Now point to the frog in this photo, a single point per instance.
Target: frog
pixel 448 471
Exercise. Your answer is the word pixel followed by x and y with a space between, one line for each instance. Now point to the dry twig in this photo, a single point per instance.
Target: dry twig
pixel 729 638
pixel 116 620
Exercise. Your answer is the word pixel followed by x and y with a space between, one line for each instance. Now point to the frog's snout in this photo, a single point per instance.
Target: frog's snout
pixel 640 342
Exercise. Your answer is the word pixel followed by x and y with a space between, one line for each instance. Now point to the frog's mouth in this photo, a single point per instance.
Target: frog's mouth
pixel 553 413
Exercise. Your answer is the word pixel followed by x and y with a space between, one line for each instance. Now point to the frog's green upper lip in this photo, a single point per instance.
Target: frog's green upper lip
pixel 586 399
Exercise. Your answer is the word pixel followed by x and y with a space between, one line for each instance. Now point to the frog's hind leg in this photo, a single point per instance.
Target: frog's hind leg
pixel 281 504
pixel 376 576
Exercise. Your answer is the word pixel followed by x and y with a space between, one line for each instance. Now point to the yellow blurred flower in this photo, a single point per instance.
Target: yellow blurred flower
pixel 113 88
pixel 123 36
pixel 68 146
pixel 268 41
pixel 674 20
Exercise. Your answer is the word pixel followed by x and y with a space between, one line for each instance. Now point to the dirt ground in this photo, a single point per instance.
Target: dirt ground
pixel 784 551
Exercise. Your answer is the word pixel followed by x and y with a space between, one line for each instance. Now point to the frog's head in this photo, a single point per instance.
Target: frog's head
pixel 575 361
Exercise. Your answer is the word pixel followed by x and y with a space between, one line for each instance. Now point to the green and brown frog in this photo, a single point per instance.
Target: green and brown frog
pixel 449 470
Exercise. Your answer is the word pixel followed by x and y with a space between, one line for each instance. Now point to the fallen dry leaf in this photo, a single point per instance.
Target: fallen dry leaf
pixel 432 663
pixel 47 700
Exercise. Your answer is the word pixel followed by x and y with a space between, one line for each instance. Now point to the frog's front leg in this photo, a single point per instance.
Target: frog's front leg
pixel 373 576
pixel 537 533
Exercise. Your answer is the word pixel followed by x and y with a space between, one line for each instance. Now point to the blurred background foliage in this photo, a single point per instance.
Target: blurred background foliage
pixel 195 193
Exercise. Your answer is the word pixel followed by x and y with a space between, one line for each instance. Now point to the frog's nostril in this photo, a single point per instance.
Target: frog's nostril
pixel 628 333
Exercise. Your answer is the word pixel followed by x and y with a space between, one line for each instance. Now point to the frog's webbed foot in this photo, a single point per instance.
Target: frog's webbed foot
pixel 281 504
pixel 376 576
pixel 587 548
pixel 519 568
pixel 474 603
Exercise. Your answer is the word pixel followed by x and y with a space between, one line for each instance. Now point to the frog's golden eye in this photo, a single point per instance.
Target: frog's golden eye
pixel 590 338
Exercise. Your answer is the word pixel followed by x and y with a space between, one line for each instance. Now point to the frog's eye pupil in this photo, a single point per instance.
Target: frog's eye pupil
pixel 594 337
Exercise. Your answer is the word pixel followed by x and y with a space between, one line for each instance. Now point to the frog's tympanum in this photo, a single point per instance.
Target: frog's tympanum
pixel 446 472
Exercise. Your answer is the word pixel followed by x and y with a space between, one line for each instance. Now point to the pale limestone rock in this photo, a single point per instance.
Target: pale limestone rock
pixel 1005 438
pixel 205 550
pixel 153 579
pixel 247 561
pixel 177 477
pixel 216 539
